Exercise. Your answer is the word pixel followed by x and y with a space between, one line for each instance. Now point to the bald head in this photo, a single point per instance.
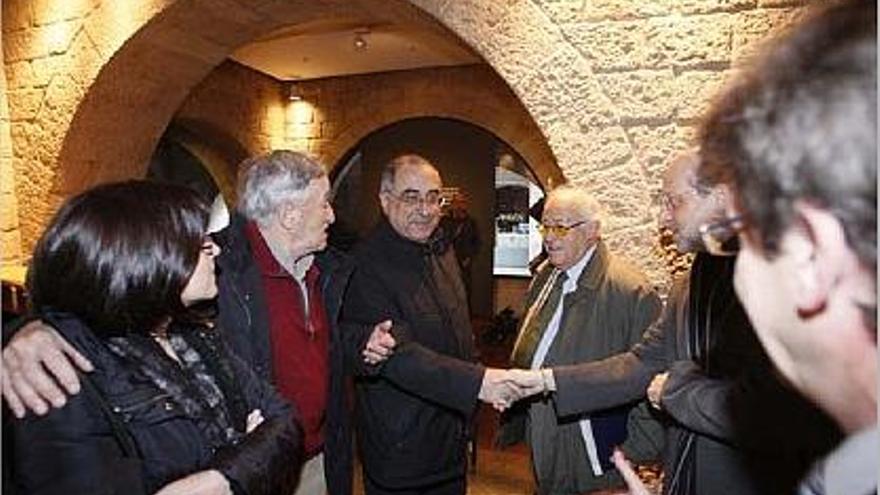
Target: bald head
pixel 410 196
pixel 683 165
pixel 687 204
pixel 389 173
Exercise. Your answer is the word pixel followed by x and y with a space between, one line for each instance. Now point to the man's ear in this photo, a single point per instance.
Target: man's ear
pixel 820 256
pixel 384 202
pixel 289 215
pixel 595 228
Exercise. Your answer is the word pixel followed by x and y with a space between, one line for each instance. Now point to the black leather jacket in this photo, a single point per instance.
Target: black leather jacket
pixel 244 318
pixel 80 449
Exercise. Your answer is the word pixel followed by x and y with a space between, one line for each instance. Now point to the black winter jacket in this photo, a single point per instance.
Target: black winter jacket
pixel 413 411
pixel 77 449
pixel 244 318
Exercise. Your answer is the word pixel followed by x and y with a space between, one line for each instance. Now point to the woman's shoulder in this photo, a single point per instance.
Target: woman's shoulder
pixel 75 331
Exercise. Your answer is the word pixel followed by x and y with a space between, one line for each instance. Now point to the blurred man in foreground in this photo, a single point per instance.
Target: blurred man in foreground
pixel 796 139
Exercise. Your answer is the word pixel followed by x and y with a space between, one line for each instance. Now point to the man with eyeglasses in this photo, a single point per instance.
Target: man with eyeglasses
pixel 413 410
pixel 584 304
pixel 795 138
pixel 734 429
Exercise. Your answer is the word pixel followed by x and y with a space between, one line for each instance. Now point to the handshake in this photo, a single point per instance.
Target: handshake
pixel 501 388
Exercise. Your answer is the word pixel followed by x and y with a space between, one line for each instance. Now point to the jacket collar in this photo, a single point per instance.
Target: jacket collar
pixel 595 270
pixel 235 248
pixel 408 248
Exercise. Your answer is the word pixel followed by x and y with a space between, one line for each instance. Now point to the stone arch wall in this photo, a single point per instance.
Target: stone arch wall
pixel 614 85
pixel 93 83
pixel 346 110
pixel 218 152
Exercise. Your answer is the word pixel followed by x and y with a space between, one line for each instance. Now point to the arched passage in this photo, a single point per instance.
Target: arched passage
pixel 218 152
pixel 138 81
pixel 613 86
pixel 479 97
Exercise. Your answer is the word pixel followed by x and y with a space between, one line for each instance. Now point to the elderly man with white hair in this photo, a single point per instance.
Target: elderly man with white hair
pixel 584 304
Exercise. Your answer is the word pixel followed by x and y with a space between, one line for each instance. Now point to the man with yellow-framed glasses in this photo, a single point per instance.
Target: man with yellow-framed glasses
pixel 584 304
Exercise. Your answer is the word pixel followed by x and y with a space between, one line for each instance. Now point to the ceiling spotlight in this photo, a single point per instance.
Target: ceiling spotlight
pixel 360 42
pixel 294 93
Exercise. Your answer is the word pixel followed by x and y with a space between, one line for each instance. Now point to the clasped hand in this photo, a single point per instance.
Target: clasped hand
pixel 501 388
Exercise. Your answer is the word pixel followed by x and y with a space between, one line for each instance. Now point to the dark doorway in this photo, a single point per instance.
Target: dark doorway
pixel 467 157
pixel 172 162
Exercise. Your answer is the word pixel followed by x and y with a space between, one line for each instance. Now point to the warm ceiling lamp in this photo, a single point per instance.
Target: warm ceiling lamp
pixel 360 41
pixel 294 93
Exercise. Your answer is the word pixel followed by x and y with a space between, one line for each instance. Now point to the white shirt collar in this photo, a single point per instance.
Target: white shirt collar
pixel 574 272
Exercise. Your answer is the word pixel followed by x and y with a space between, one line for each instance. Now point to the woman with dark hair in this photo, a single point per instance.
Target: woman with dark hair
pixel 168 408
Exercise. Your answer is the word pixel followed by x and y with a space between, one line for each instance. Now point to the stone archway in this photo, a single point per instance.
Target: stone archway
pixel 613 86
pixel 480 98
pixel 218 152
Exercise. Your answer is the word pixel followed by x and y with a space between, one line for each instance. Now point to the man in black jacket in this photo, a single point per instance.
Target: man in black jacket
pixel 279 296
pixel 735 429
pixel 413 410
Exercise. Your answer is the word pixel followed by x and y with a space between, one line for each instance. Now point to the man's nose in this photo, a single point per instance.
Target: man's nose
pixel 423 207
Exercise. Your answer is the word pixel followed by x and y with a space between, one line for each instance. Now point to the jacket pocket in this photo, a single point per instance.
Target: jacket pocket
pixel 147 405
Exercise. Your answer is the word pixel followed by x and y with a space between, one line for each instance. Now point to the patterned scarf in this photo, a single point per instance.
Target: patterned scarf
pixel 191 382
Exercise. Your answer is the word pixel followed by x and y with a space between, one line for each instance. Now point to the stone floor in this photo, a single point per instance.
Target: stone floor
pixel 499 471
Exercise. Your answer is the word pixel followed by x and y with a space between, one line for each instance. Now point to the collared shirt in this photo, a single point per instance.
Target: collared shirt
pixel 851 469
pixel 570 285
pixel 299 338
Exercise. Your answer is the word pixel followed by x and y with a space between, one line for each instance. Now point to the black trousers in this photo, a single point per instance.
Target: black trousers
pixel 456 486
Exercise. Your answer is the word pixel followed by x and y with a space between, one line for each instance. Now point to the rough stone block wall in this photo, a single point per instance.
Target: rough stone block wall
pixel 253 110
pixel 617 85
pixel 52 51
pixel 10 234
pixel 613 85
pixel 336 113
pixel 240 103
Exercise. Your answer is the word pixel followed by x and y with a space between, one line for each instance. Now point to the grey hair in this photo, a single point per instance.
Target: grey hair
pixel 268 181
pixel 802 126
pixel 386 182
pixel 584 203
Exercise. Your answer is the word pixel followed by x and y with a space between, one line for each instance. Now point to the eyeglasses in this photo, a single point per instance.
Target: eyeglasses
pixel 431 199
pixel 210 247
pixel 721 238
pixel 558 230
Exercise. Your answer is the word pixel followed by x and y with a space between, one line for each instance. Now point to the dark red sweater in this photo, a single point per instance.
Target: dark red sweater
pixel 300 341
